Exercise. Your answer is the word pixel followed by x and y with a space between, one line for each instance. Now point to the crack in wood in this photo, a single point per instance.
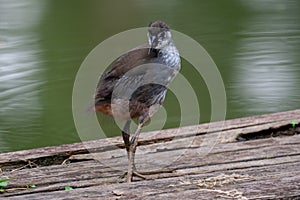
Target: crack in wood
pixel 285 130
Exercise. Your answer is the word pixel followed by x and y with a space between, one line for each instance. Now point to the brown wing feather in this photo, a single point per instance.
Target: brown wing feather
pixel 126 62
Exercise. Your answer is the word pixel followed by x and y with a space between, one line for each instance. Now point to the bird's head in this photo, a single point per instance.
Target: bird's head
pixel 159 35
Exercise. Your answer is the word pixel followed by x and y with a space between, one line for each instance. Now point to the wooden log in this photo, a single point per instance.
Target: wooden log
pixel 249 158
pixel 76 148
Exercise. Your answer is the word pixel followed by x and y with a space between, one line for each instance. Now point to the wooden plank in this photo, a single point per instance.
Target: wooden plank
pixel 90 173
pixel 190 163
pixel 216 126
pixel 57 154
pixel 258 183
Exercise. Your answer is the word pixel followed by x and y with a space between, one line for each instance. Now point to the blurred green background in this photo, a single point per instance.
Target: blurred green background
pixel 255 45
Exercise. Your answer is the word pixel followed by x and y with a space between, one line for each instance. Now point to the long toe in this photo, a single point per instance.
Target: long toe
pixel 135 173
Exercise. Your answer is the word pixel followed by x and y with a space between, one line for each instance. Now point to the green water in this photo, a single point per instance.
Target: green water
pixel 254 43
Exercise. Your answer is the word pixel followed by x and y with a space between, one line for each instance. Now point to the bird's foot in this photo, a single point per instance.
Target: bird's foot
pixel 124 177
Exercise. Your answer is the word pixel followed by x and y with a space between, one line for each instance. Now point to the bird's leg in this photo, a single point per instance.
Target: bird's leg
pixel 132 149
pixel 126 136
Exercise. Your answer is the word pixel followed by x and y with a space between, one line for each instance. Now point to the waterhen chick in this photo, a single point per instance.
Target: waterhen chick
pixel 136 84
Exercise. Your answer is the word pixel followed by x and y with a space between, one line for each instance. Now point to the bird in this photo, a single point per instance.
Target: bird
pixel 135 85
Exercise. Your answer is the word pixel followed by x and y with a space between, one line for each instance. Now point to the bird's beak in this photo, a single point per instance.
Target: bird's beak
pixel 150 49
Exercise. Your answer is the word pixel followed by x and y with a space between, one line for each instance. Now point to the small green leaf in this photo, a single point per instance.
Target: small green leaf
pixel 2 190
pixel 4 179
pixel 294 123
pixel 31 186
pixel 68 188
pixel 3 183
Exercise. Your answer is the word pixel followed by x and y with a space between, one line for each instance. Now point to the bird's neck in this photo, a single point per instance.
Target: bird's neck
pixel 170 56
pixel 170 48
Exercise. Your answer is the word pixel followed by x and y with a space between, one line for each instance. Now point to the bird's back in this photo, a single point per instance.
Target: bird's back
pixel 135 82
pixel 124 64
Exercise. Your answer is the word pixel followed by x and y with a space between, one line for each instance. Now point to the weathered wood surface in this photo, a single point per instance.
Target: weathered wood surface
pixel 196 162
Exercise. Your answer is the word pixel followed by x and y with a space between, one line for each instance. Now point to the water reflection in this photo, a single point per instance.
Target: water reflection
pixel 255 44
pixel 20 73
pixel 265 72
